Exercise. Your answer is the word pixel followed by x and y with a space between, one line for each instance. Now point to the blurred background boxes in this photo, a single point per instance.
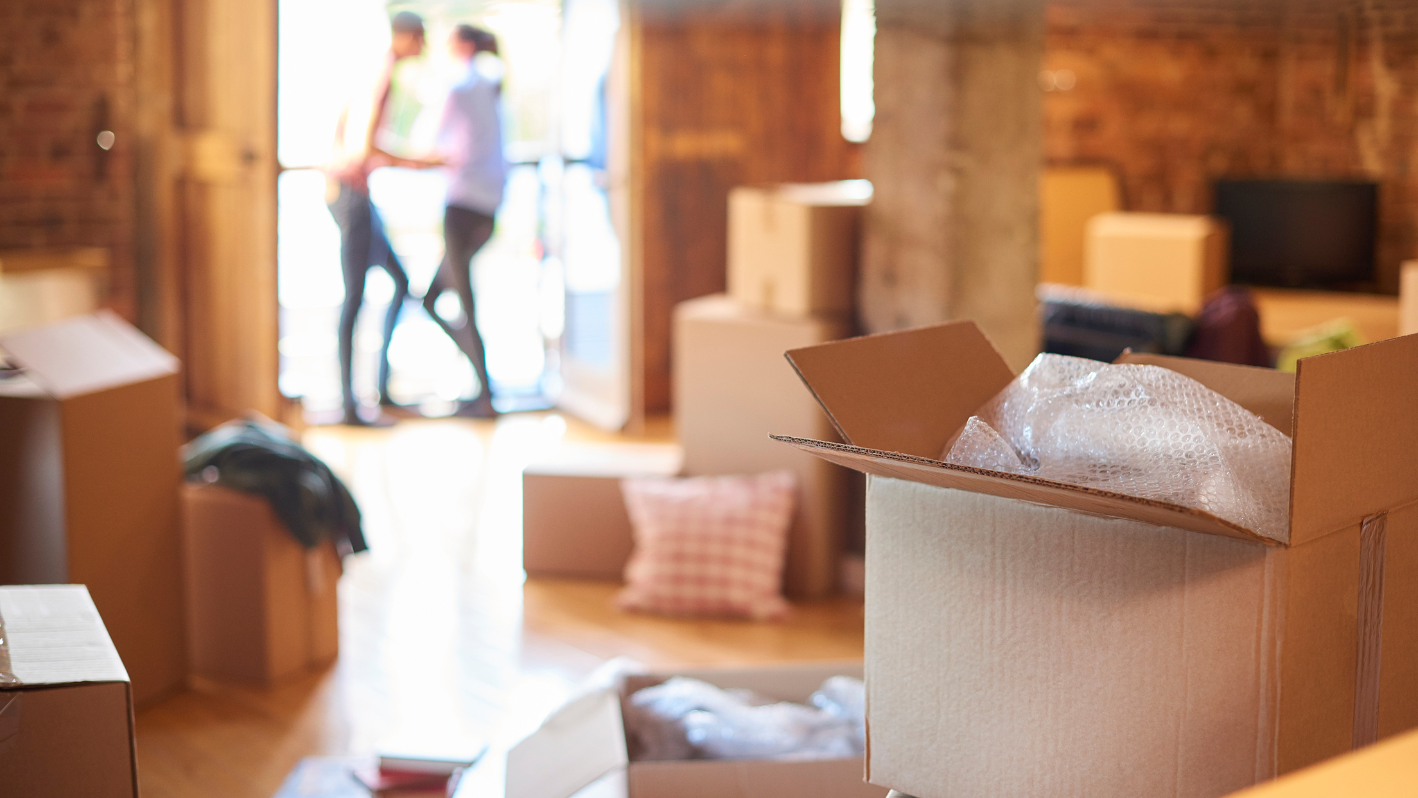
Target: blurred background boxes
pixel 1156 261
pixel 732 388
pixel 66 710
pixel 89 478
pixel 574 521
pixel 1068 197
pixel 793 247
pixel 261 607
pixel 45 285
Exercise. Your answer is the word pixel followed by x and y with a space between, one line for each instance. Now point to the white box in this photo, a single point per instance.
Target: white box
pixel 793 248
pixel 732 387
pixel 66 710
pixel 581 749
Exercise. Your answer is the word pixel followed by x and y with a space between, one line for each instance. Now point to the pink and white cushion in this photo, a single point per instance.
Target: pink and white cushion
pixel 709 545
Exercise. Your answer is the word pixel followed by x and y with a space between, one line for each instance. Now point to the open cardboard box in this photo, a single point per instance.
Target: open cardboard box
pixel 1386 770
pixel 581 749
pixel 66 710
pixel 89 480
pixel 1027 636
pixel 260 606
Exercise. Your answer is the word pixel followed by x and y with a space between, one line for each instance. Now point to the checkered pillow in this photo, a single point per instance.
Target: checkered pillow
pixel 709 545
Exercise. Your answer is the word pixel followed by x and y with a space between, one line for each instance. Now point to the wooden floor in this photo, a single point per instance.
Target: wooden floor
pixel 439 634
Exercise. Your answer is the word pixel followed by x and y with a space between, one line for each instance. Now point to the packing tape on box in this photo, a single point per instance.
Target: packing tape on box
pixel 9 699
pixel 1373 539
pixel 7 677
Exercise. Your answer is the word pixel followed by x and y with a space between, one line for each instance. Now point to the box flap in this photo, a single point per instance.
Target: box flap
pixel 907 392
pixel 1152 225
pixel 578 744
pixel 53 635
pixel 1356 436
pixel 838 192
pixel 86 354
pixel 1268 393
pixel 1024 488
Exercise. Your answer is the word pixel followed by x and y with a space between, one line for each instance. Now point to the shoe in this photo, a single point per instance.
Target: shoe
pixel 480 407
pixel 352 418
pixel 388 407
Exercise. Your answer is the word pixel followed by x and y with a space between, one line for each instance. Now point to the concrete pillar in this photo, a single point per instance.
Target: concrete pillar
pixel 954 156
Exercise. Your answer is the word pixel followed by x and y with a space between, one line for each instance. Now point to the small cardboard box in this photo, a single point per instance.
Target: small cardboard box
pixel 66 710
pixel 731 389
pixel 1162 262
pixel 261 607
pixel 581 749
pixel 1408 298
pixel 1386 770
pixel 574 521
pixel 793 248
pixel 89 479
pixel 1027 636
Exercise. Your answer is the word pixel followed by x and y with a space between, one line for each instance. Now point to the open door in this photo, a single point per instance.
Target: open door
pixel 595 348
pixel 225 207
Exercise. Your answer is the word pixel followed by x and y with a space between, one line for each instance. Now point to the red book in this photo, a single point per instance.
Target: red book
pixel 378 780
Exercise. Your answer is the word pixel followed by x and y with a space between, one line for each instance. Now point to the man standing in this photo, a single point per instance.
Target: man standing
pixel 470 142
pixel 363 242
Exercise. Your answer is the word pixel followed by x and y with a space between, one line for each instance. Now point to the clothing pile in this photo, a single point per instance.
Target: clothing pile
pixel 261 457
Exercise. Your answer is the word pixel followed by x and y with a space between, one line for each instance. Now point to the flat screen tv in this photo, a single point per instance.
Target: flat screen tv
pixel 1300 233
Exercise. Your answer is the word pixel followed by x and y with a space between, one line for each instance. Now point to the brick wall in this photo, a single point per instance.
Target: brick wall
pixel 66 72
pixel 1174 93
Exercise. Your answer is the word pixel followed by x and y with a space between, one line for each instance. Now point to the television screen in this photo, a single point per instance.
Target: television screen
pixel 1300 233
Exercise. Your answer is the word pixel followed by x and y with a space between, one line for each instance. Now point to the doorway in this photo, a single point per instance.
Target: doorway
pixel 529 279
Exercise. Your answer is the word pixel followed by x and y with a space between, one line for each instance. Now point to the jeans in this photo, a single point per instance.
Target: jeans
pixel 464 233
pixel 363 244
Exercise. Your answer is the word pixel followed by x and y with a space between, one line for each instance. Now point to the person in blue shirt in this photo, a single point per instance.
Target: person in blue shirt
pixel 470 146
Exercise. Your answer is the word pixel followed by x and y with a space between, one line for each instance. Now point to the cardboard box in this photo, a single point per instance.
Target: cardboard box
pixel 581 749
pixel 1068 197
pixel 1386 770
pixel 1161 262
pixel 1408 298
pixel 793 248
pixel 1027 636
pixel 261 607
pixel 731 389
pixel 89 479
pixel 574 521
pixel 66 710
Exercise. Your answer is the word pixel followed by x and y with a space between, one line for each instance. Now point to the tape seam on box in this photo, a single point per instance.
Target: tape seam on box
pixel 1373 536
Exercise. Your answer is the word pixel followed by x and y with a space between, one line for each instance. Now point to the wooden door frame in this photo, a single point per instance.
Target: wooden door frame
pixel 182 146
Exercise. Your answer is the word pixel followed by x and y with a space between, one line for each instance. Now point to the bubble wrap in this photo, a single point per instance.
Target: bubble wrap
pixel 1137 430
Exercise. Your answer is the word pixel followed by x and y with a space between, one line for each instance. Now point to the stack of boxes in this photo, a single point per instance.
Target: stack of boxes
pixel 792 274
pixel 792 282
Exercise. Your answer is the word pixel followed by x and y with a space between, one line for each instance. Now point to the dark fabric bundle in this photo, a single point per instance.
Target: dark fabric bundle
pixel 261 458
pixel 1080 328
